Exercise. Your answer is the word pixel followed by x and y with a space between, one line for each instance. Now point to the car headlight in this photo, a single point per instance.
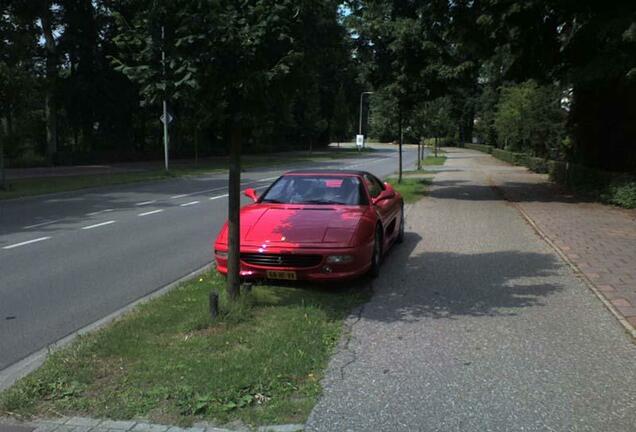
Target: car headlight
pixel 339 259
pixel 220 254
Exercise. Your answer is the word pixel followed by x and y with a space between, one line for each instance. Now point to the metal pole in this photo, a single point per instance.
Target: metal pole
pixel 360 120
pixel 165 102
pixel 165 133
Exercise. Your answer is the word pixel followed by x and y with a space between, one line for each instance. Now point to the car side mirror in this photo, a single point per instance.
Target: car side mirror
pixel 386 194
pixel 251 193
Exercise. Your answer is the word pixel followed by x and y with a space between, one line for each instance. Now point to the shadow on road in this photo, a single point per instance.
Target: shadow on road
pixel 443 285
pixel 449 285
pixel 511 191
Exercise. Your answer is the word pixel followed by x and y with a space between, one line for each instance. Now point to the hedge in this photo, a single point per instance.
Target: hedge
pixel 480 147
pixel 614 188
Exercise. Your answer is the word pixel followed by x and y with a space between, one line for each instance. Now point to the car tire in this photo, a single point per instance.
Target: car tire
pixel 376 257
pixel 400 236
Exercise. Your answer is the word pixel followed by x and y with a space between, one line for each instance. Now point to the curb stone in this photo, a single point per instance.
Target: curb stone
pixel 87 424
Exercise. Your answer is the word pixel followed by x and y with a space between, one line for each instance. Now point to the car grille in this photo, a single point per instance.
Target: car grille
pixel 281 260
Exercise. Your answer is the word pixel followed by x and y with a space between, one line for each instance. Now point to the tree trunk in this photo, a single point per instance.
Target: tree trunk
pixel 50 108
pixel 419 155
pixel 234 220
pixel 3 179
pixel 435 146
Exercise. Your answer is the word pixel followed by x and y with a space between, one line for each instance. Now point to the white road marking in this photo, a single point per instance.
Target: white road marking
pixel 189 203
pixel 224 195
pixel 198 192
pixel 217 189
pixel 150 212
pixel 41 224
pixel 98 225
pixel 99 212
pixel 146 203
pixel 218 196
pixel 25 243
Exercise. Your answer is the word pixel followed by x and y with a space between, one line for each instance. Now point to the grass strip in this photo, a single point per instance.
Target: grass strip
pixel 431 160
pixel 259 362
pixel 44 185
pixel 414 185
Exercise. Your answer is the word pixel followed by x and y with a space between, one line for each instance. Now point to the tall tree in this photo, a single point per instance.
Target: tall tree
pixel 48 21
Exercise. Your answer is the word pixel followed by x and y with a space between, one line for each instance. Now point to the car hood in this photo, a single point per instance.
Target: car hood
pixel 299 224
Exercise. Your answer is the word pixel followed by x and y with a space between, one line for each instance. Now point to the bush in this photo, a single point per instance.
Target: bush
pixel 480 147
pixel 613 188
pixel 622 194
pixel 538 165
pixel 529 118
pixel 511 157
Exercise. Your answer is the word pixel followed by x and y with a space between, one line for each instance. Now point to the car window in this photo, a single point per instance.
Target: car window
pixel 309 189
pixel 373 184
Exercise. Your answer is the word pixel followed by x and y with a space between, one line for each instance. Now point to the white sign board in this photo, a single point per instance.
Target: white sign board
pixel 359 140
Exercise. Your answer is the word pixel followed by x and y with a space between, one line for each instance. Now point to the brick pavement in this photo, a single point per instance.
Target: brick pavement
pixel 600 240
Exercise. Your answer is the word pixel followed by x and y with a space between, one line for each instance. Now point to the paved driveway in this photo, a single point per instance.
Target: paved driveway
pixel 477 325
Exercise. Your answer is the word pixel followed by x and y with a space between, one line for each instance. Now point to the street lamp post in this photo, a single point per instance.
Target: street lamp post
pixel 360 122
pixel 165 102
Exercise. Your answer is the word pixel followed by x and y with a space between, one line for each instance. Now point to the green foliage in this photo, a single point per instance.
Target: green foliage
pixel 280 63
pixel 413 187
pixel 622 194
pixel 383 116
pixel 480 147
pixel 260 361
pixel 612 188
pixel 514 158
pixel 529 119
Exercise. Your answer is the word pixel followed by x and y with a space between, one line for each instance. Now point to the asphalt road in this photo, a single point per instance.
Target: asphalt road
pixel 69 259
pixel 476 324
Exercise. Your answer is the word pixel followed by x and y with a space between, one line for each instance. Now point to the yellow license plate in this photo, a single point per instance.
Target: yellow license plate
pixel 286 275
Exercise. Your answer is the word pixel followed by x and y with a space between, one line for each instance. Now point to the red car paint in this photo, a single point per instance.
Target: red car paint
pixel 298 238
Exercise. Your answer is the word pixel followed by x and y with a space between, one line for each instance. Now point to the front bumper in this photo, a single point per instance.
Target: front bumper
pixel 322 271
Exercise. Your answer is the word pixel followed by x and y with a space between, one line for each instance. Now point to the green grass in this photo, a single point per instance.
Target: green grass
pixel 259 362
pixel 431 160
pixel 413 186
pixel 43 185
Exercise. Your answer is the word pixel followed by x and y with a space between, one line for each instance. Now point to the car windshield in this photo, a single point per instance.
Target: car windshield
pixel 302 189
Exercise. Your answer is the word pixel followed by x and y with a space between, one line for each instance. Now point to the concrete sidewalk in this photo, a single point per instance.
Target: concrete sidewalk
pixel 477 324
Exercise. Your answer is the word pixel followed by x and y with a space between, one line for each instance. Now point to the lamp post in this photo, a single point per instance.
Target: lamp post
pixel 360 122
pixel 165 102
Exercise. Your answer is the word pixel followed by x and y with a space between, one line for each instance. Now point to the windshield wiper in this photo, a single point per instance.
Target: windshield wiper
pixel 273 201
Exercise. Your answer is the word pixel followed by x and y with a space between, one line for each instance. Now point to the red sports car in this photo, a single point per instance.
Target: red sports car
pixel 316 225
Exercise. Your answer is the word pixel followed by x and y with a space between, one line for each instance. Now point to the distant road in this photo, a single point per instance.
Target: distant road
pixel 69 259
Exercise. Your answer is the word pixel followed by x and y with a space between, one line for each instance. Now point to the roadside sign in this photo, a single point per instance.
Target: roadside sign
pixel 162 118
pixel 359 140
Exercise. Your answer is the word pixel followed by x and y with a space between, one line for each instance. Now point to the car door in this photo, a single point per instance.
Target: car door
pixel 387 209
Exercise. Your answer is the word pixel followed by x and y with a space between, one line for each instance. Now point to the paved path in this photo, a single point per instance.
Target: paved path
pixel 478 325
